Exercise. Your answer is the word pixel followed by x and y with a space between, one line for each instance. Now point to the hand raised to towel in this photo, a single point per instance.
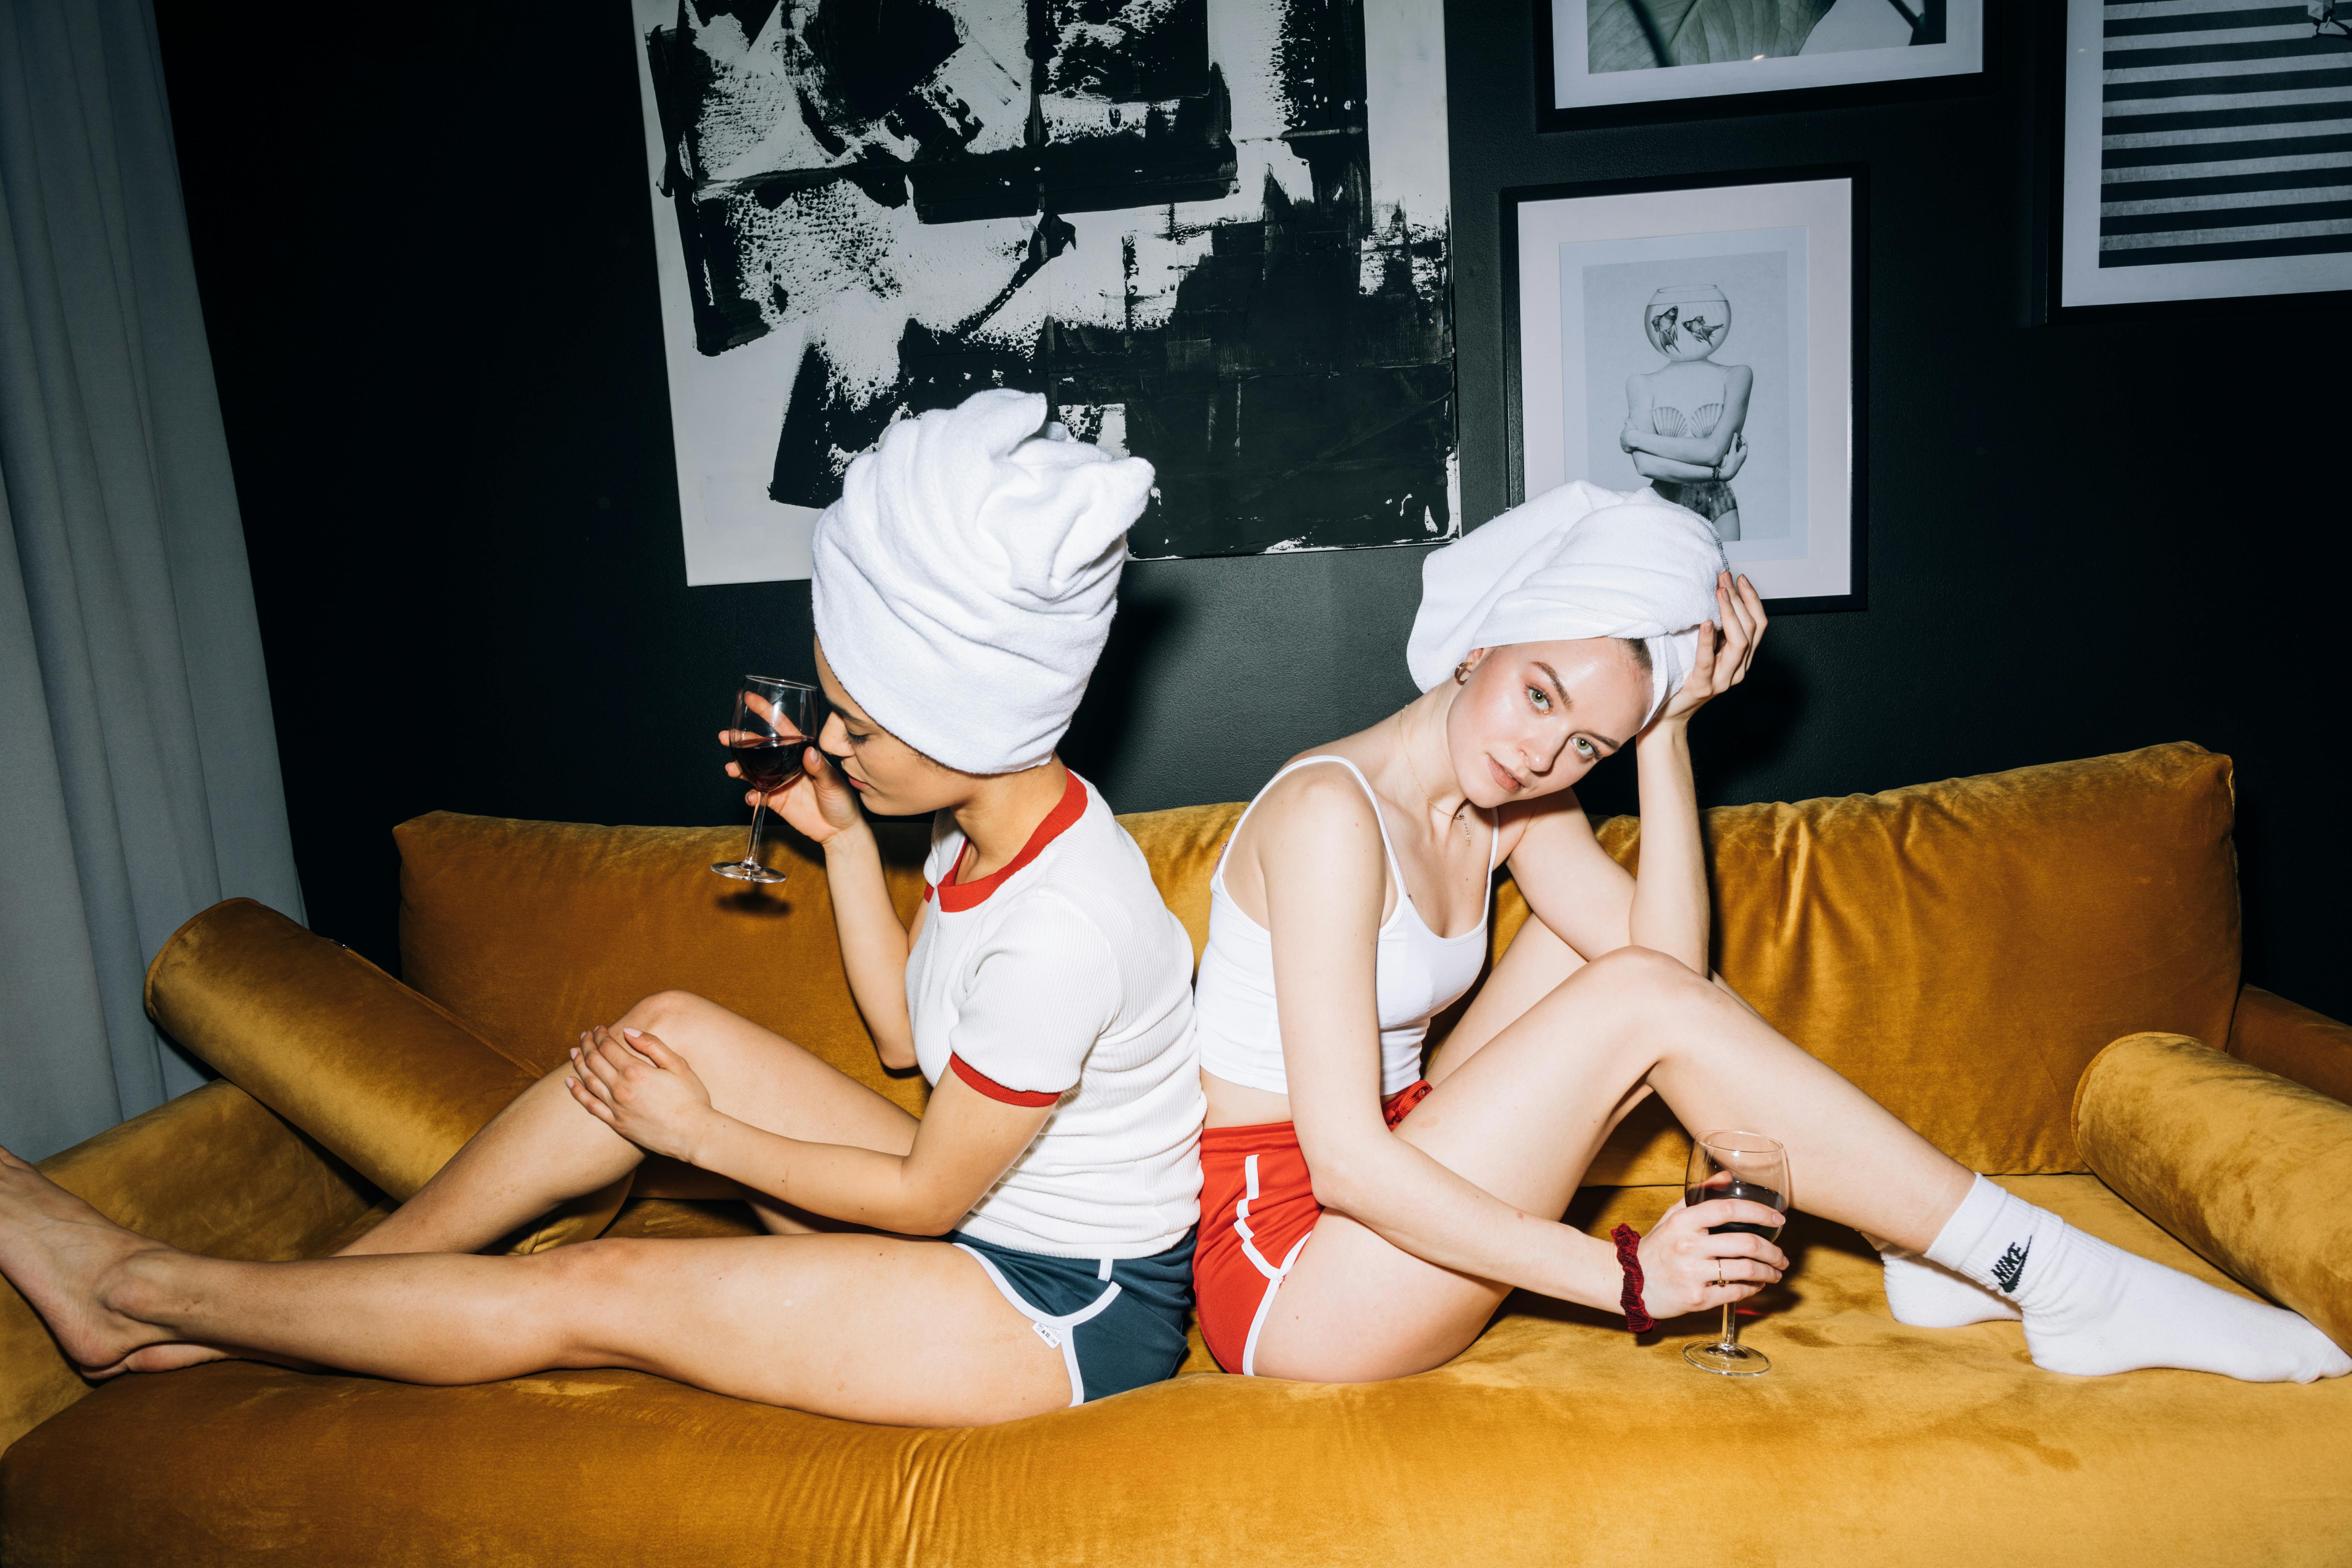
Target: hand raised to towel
pixel 1726 649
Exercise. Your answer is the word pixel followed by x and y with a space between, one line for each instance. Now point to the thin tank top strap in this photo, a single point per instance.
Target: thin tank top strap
pixel 1377 820
pixel 1493 843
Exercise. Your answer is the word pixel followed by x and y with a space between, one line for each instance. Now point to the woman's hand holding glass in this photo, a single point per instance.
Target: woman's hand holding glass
pixel 816 802
pixel 1724 649
pixel 1685 1269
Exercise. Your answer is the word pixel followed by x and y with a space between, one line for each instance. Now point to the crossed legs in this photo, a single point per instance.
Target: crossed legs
pixel 1525 1095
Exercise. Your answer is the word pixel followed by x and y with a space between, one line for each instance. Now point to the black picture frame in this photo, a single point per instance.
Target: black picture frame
pixel 2048 306
pixel 1776 100
pixel 1512 199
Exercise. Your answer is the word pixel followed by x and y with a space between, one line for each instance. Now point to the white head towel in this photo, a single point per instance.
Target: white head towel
pixel 1577 562
pixel 967 577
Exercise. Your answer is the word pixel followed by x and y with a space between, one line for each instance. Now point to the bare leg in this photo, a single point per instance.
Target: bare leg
pixel 867 1327
pixel 1522 1117
pixel 544 1149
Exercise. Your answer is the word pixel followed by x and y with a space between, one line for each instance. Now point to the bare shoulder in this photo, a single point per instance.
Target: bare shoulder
pixel 1315 827
pixel 1320 805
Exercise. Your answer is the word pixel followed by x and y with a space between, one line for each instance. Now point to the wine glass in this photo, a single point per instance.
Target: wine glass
pixel 1736 1165
pixel 775 721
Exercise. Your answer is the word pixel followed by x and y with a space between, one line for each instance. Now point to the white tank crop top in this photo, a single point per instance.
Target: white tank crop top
pixel 1417 973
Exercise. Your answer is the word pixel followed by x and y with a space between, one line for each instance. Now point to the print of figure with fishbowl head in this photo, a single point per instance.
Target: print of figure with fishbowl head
pixel 1683 420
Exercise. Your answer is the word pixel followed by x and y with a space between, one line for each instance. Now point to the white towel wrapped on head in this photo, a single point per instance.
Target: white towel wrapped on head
pixel 1577 562
pixel 967 577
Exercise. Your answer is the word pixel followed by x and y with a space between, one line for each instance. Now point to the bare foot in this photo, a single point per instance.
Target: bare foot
pixel 57 1249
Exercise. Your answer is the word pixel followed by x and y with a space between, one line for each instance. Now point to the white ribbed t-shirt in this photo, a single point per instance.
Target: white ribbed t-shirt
pixel 1063 979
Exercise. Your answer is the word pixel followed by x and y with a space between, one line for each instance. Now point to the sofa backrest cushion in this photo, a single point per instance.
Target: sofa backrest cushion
pixel 533 931
pixel 1960 950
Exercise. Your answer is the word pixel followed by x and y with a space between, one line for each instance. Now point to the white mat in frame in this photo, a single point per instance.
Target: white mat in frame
pixel 1806 543
pixel 1846 50
pixel 2205 151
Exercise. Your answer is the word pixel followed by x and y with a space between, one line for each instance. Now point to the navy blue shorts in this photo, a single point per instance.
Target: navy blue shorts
pixel 1118 1323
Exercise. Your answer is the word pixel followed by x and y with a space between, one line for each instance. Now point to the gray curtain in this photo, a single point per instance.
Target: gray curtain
pixel 138 766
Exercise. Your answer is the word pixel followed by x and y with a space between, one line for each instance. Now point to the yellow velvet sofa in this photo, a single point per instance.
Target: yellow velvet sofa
pixel 2023 966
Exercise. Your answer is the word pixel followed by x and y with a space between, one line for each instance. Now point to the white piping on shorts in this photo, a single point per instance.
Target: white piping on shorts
pixel 1056 1332
pixel 1273 1276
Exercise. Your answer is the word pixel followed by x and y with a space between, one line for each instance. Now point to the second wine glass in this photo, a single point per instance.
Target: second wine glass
pixel 776 721
pixel 1736 1165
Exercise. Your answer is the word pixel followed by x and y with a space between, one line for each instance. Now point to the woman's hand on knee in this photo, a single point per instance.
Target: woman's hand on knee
pixel 1686 1270
pixel 637 1086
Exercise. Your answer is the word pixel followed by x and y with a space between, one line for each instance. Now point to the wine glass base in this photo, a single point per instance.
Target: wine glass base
pixel 746 871
pixel 1728 1361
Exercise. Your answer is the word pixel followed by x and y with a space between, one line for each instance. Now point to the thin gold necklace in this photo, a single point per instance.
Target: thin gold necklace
pixel 1405 741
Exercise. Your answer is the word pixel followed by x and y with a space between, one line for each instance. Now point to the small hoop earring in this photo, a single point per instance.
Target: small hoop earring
pixel 1461 673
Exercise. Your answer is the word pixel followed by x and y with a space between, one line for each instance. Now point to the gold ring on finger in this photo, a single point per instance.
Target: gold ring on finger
pixel 1719 1273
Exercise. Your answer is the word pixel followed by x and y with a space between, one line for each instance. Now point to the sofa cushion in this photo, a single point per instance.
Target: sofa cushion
pixel 1959 950
pixel 1962 950
pixel 1553 1440
pixel 533 931
pixel 376 1073
pixel 2247 1167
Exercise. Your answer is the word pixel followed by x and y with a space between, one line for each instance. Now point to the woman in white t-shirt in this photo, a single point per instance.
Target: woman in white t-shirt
pixel 963 588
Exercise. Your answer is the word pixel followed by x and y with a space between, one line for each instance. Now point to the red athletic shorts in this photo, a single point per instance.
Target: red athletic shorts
pixel 1257 1209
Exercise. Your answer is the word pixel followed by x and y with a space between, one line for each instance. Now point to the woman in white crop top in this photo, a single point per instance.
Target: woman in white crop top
pixel 1359 1222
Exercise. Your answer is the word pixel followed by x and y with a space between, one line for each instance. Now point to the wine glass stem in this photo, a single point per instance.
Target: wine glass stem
pixel 759 815
pixel 1731 1327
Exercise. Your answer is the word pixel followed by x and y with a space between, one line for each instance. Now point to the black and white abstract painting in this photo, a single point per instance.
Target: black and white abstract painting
pixel 2208 150
pixel 1212 232
pixel 1616 52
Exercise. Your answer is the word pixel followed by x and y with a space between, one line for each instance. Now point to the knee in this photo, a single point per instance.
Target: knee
pixel 1642 972
pixel 664 1009
pixel 1635 984
pixel 577 1271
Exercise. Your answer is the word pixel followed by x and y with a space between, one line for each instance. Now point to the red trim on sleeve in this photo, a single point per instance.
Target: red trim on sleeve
pixel 995 1090
pixel 955 896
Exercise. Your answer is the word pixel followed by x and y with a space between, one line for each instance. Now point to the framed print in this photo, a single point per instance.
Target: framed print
pixel 2207 150
pixel 1614 59
pixel 1703 336
pixel 1214 233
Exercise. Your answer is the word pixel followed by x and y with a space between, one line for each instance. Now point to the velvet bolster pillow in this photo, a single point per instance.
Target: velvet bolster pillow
pixel 2242 1165
pixel 388 1082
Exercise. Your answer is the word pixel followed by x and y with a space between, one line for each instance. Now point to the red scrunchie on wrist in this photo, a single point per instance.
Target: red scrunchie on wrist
pixel 1629 1258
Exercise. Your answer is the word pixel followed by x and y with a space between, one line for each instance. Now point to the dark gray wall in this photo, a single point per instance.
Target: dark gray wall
pixel 427 265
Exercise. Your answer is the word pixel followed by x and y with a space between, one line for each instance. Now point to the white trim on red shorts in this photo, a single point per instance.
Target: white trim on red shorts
pixel 1273 1276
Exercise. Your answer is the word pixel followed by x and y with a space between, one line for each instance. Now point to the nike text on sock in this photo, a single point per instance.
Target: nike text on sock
pixel 2091 1307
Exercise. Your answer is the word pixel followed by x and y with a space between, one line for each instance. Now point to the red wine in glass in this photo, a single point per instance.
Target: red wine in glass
pixel 776 721
pixel 1755 1193
pixel 1736 1165
pixel 767 764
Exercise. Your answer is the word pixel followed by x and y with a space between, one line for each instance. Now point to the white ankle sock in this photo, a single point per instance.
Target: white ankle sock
pixel 1929 1296
pixel 2092 1308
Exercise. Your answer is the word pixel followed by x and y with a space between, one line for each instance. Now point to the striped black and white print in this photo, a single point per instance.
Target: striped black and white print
pixel 2226 131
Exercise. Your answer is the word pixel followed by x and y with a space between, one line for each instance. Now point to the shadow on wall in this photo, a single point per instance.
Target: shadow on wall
pixel 1142 632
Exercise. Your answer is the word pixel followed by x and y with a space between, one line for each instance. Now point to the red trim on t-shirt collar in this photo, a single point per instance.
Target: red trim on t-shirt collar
pixel 957 897
pixel 995 1090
